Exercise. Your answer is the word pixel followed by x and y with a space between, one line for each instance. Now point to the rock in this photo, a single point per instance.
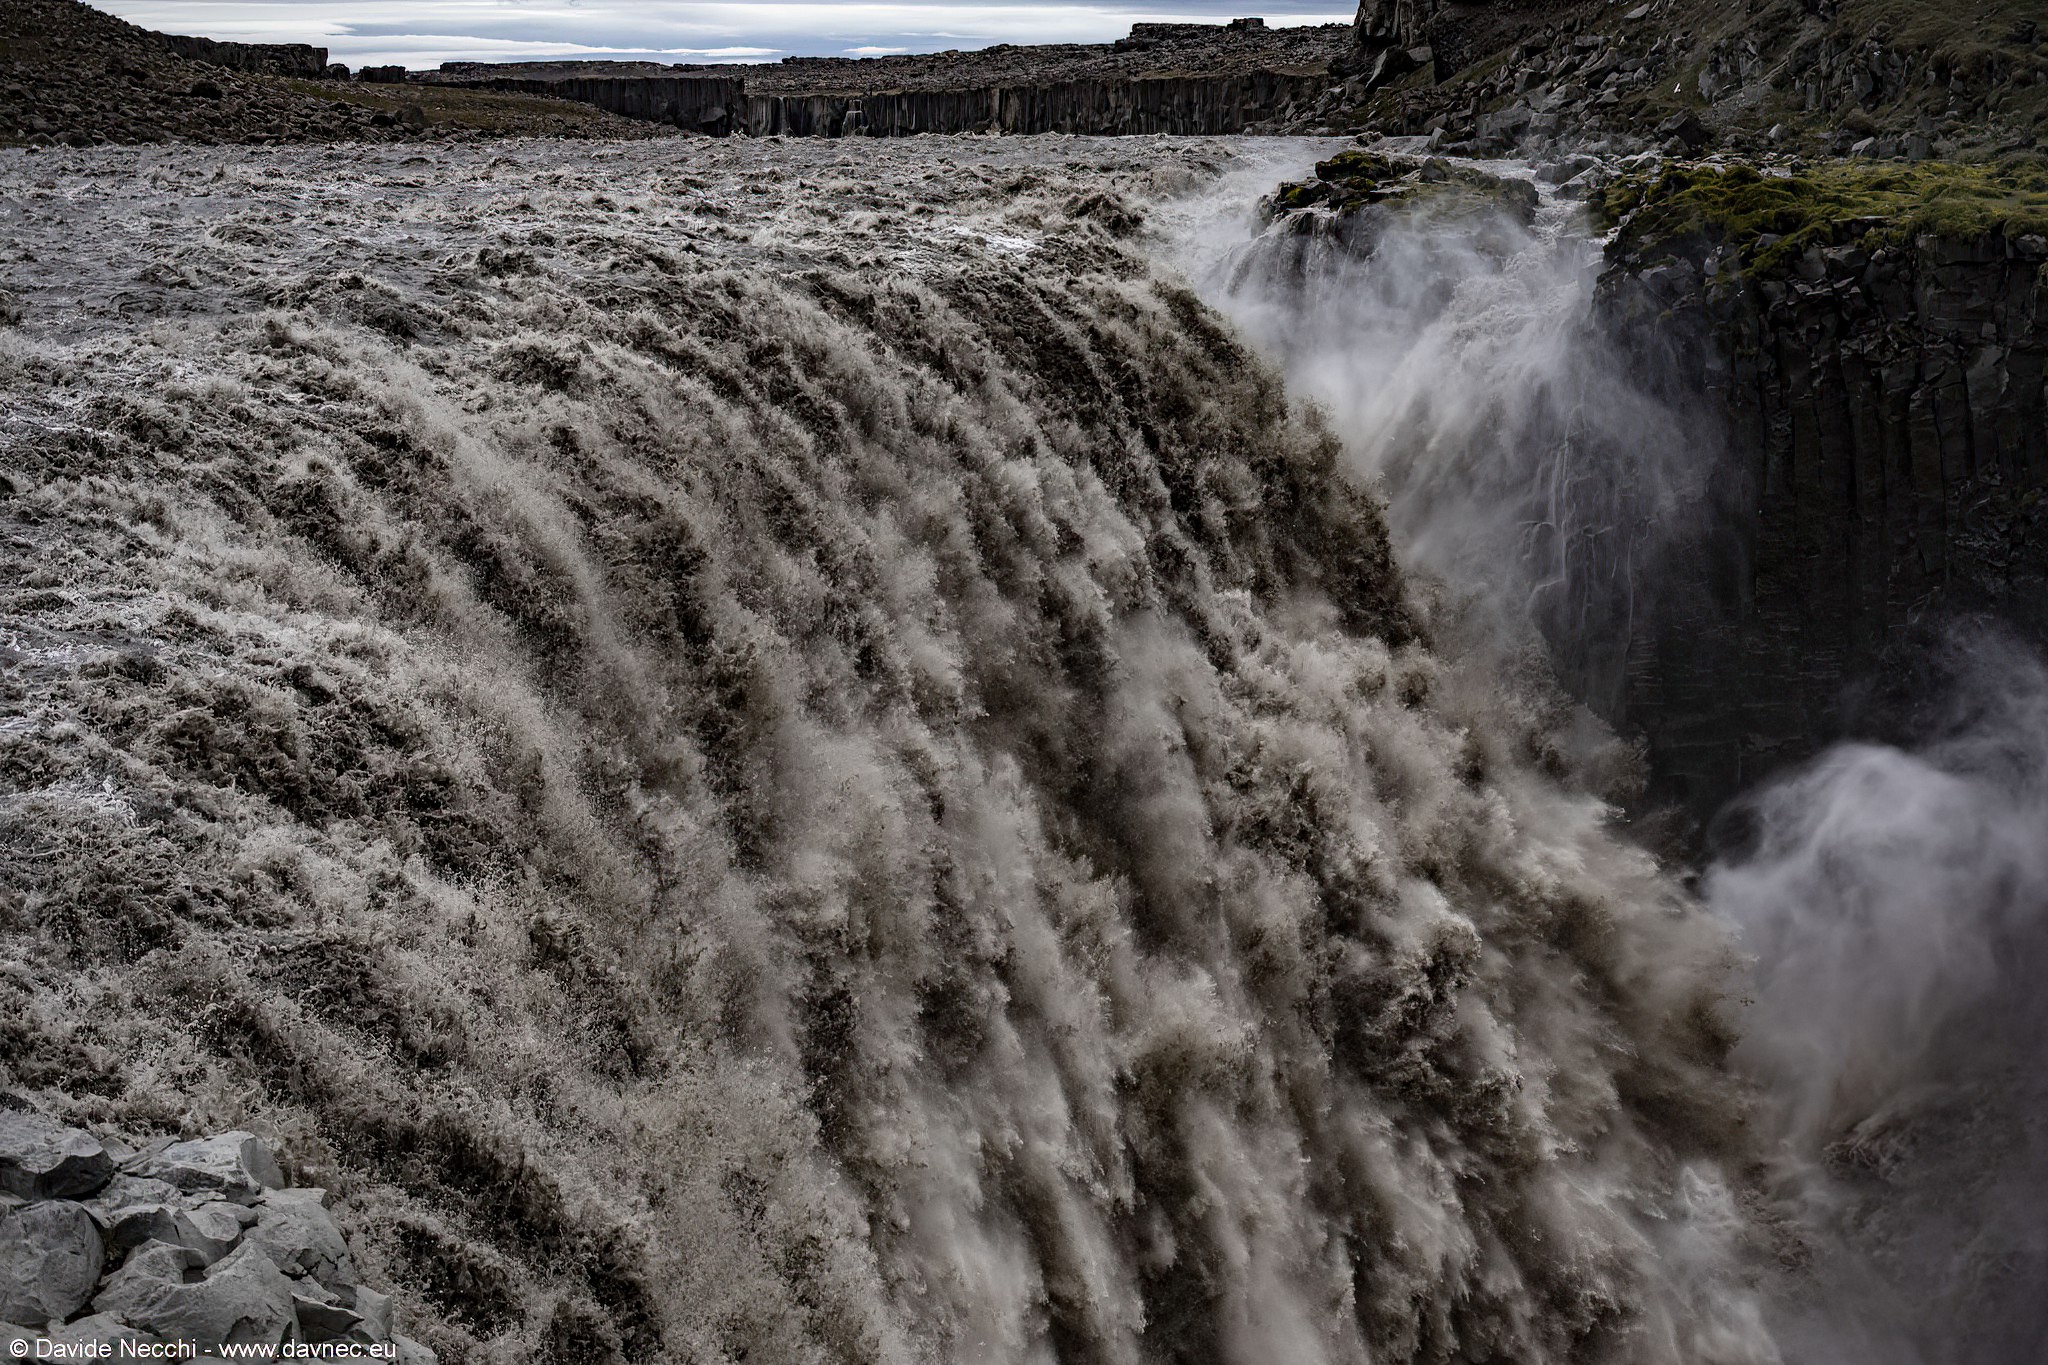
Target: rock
pixel 50 1258
pixel 132 1210
pixel 1686 129
pixel 212 1229
pixel 410 1352
pixel 294 1228
pixel 322 1320
pixel 149 1269
pixel 42 1159
pixel 19 1342
pixel 102 1330
pixel 244 1300
pixel 412 116
pixel 236 1165
pixel 372 1307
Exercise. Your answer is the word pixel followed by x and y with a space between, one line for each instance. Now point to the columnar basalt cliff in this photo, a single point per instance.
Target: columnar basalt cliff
pixel 273 59
pixel 1881 378
pixel 1177 79
pixel 706 104
pixel 1110 106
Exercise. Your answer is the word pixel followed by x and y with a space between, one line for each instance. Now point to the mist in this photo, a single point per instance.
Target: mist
pixel 1548 484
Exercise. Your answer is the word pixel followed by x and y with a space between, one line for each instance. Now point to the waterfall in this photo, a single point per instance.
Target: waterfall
pixel 795 753
pixel 1890 899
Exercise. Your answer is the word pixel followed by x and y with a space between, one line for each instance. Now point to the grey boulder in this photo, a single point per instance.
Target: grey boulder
pixel 242 1300
pixel 143 1277
pixel 372 1307
pixel 42 1159
pixel 132 1211
pixel 50 1259
pixel 300 1236
pixel 98 1329
pixel 234 1165
pixel 323 1319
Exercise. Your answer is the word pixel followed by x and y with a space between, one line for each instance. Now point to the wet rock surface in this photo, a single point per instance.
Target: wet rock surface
pixel 219 1251
pixel 1881 383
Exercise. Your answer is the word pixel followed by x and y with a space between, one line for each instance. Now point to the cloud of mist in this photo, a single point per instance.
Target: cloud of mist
pixel 1459 359
pixel 1892 898
pixel 1895 902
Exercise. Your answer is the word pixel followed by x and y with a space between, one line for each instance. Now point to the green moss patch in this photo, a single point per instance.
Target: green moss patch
pixel 1773 218
pixel 1353 179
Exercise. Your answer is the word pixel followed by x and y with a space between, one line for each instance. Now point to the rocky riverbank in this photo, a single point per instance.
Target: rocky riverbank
pixel 192 1245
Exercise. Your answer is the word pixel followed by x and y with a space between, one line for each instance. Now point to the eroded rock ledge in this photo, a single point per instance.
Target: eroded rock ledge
pixel 201 1243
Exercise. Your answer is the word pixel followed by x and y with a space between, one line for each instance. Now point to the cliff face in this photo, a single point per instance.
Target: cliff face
pixel 705 104
pixel 1887 451
pixel 272 59
pixel 1096 105
pixel 1868 76
pixel 1162 104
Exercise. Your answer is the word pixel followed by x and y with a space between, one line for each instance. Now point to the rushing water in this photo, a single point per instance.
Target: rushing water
pixel 793 752
pixel 1891 897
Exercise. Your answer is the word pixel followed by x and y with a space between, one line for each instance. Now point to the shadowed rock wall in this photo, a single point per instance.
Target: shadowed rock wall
pixel 705 104
pixel 1889 436
pixel 270 59
pixel 1109 105
pixel 1166 104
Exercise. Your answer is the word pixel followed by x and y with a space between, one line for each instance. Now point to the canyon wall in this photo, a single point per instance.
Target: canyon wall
pixel 1887 455
pixel 271 59
pixel 1093 105
pixel 1158 104
pixel 701 103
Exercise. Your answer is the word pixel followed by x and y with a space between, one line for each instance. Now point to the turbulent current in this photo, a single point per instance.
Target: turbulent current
pixel 796 752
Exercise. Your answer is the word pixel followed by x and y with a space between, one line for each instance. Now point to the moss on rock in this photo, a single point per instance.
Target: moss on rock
pixel 1355 178
pixel 1771 216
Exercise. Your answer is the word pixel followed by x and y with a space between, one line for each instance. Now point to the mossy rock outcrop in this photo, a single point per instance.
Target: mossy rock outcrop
pixel 1770 216
pixel 1359 178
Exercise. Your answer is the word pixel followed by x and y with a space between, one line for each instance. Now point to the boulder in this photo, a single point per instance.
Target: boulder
pixel 322 1319
pixel 372 1307
pixel 42 1159
pixel 132 1210
pixel 244 1300
pixel 410 1352
pixel 211 1229
pixel 235 1165
pixel 294 1228
pixel 149 1270
pixel 98 1330
pixel 50 1260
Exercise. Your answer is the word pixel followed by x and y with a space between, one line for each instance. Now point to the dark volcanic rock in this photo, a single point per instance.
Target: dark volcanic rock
pixel 49 1262
pixel 1885 411
pixel 275 59
pixel 1181 78
pixel 42 1159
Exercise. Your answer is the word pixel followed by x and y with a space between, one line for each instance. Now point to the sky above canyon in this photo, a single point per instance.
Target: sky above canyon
pixel 425 33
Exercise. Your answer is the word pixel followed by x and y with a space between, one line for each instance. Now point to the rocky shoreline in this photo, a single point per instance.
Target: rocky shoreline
pixel 198 1244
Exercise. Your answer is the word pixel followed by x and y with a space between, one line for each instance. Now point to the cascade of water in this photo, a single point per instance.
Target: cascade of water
pixel 1893 898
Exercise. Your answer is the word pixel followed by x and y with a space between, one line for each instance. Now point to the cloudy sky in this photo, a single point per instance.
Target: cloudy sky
pixel 424 33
